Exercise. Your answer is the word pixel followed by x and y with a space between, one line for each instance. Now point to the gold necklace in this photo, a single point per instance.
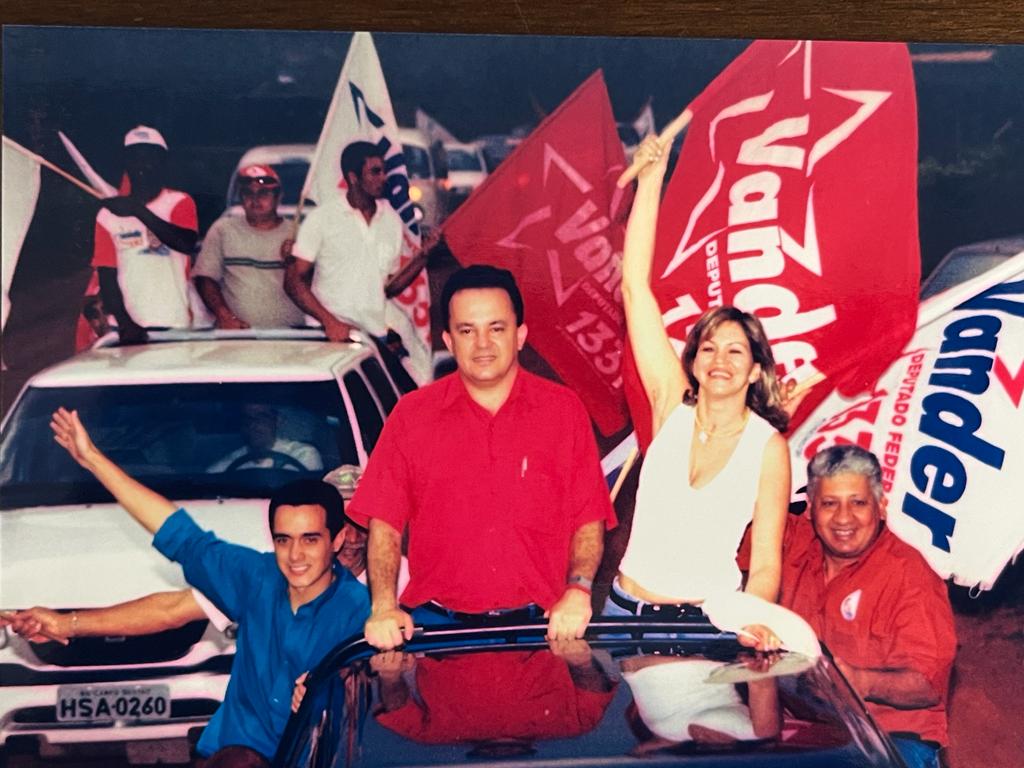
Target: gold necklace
pixel 703 435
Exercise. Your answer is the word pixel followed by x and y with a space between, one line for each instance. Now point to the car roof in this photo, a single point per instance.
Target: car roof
pixel 470 686
pixel 971 260
pixel 210 356
pixel 469 146
pixel 270 154
pixel 413 137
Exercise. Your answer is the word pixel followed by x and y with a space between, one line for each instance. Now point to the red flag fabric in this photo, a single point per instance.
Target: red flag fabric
pixel 795 198
pixel 552 215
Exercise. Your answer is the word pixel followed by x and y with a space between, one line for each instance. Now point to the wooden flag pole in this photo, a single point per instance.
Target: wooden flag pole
pixel 807 383
pixel 664 138
pixel 47 164
pixel 626 466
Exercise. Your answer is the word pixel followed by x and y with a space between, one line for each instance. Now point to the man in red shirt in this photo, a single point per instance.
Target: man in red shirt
pixel 873 600
pixel 495 473
pixel 505 699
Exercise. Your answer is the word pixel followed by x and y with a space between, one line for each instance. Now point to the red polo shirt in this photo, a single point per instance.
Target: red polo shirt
pixel 889 609
pixel 491 501
pixel 483 696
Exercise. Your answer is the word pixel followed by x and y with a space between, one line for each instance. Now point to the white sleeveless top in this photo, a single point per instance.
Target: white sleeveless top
pixel 684 540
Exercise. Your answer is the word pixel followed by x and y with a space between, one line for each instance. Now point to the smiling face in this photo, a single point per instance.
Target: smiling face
pixel 483 337
pixel 724 364
pixel 352 554
pixel 846 516
pixel 304 549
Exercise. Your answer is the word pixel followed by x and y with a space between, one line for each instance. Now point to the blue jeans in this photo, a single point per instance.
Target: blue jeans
pixel 917 753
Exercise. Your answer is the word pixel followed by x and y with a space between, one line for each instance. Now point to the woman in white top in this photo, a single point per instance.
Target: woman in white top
pixel 717 460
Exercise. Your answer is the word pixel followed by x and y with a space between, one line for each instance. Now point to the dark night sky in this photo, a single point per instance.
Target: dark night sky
pixel 214 93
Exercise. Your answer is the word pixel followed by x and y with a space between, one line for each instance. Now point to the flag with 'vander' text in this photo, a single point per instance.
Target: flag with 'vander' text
pixel 945 421
pixel 795 198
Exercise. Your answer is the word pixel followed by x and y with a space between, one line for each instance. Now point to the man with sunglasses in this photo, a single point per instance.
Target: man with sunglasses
pixel 240 269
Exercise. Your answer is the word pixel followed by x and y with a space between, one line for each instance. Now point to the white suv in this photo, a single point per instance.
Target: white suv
pixel 169 412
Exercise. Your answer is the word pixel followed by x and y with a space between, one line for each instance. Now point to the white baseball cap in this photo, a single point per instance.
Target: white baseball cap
pixel 143 134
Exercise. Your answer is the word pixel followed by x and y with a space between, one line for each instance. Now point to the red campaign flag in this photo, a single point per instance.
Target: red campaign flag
pixel 795 198
pixel 552 215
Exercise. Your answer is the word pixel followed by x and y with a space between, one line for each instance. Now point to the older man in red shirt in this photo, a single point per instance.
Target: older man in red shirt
pixel 495 473
pixel 873 600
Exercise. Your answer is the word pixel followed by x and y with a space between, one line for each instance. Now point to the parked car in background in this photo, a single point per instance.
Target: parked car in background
pixel 967 261
pixel 496 147
pixel 181 414
pixel 291 161
pixel 624 696
pixel 467 170
pixel 428 176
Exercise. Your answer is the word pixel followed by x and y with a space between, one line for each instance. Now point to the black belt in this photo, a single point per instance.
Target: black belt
pixel 524 613
pixel 665 610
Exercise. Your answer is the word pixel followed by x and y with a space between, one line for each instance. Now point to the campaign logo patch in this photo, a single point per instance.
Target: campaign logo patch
pixel 848 608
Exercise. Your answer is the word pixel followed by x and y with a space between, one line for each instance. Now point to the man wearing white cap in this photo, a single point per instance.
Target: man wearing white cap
pixel 143 243
pixel 240 269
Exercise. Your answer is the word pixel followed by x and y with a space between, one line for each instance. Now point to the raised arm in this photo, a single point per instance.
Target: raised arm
pixel 149 508
pixel 657 362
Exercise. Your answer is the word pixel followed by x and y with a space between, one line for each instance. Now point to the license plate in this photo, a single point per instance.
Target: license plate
pixel 112 703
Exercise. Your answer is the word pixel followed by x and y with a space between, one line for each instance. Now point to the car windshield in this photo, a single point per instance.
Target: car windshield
pixel 461 160
pixel 586 703
pixel 186 441
pixel 293 175
pixel 417 162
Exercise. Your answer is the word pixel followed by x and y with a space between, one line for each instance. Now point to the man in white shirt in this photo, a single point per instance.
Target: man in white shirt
pixel 345 262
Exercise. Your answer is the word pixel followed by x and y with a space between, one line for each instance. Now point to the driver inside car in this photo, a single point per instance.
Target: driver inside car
pixel 264 449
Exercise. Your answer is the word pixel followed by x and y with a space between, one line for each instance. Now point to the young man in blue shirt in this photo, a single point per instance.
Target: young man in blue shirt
pixel 292 606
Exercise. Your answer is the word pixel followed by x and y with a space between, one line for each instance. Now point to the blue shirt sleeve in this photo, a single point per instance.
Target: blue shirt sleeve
pixel 228 574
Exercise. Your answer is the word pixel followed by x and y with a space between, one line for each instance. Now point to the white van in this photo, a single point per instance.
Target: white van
pixel 467 170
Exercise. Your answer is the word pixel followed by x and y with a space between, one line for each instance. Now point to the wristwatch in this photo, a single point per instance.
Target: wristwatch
pixel 581 583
